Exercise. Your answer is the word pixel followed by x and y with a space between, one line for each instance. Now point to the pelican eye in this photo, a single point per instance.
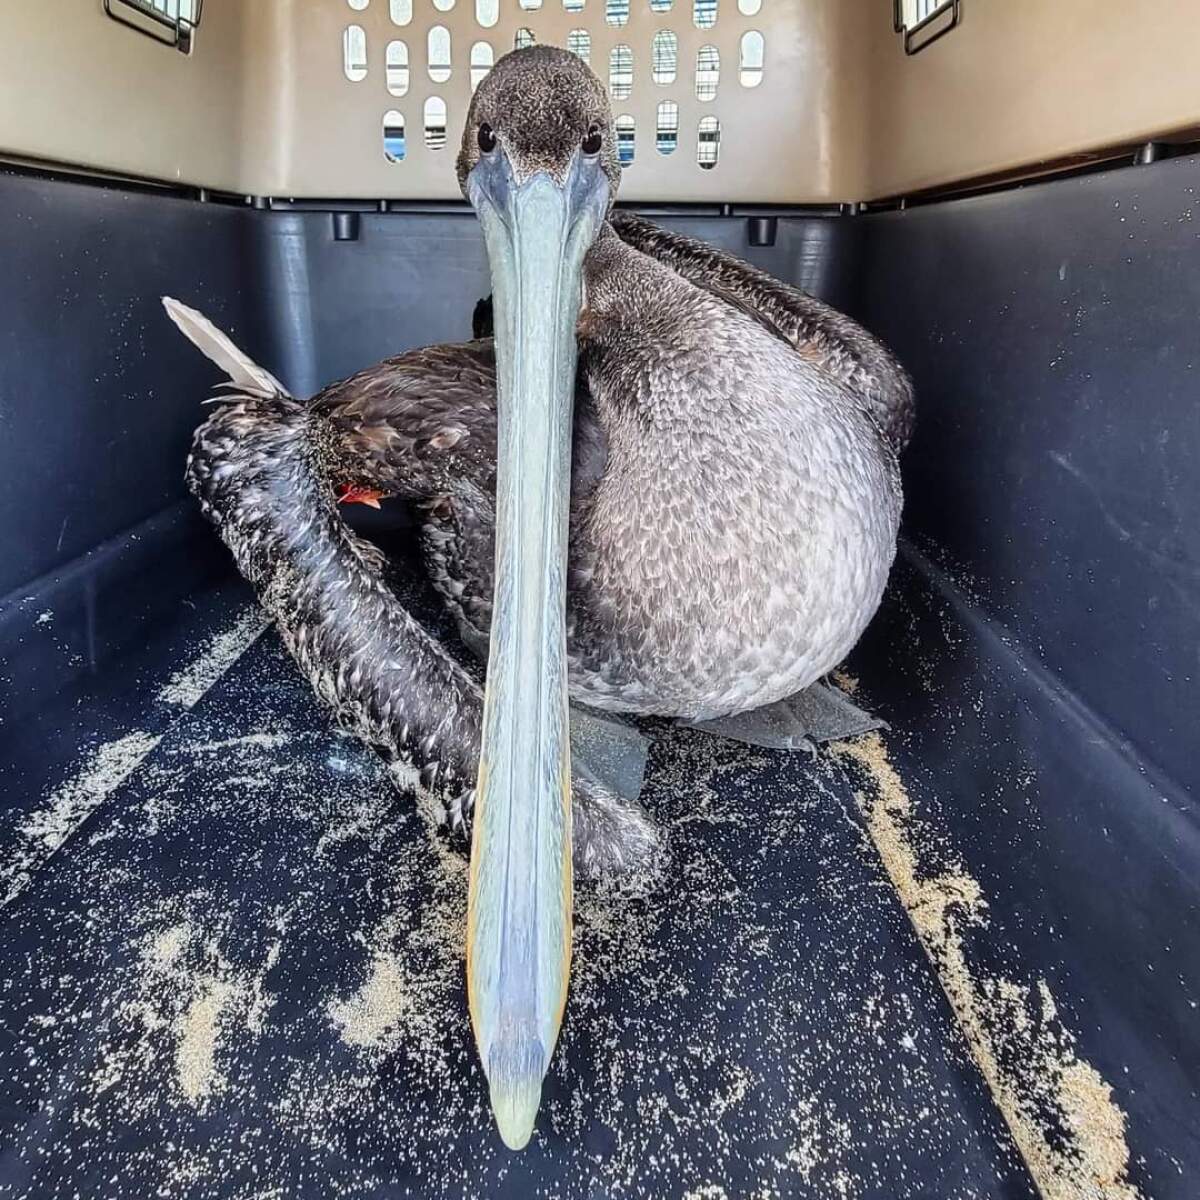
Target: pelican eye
pixel 486 138
pixel 593 140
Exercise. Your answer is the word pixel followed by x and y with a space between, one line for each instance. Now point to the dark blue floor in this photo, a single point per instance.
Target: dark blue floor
pixel 1085 854
pixel 230 965
pixel 242 976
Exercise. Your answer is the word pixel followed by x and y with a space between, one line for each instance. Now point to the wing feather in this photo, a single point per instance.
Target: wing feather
pixel 244 373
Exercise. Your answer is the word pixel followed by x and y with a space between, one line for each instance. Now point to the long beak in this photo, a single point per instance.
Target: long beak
pixel 537 232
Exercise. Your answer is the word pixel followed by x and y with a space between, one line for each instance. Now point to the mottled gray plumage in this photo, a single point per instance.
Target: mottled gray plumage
pixel 735 494
pixel 258 468
pixel 839 345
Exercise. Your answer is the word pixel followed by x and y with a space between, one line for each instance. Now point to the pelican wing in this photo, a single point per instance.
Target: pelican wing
pixel 413 423
pixel 816 331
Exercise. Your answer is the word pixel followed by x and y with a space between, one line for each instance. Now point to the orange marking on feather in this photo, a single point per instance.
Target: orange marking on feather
pixel 353 493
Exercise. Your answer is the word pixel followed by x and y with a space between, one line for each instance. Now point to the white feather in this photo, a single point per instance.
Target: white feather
pixel 244 373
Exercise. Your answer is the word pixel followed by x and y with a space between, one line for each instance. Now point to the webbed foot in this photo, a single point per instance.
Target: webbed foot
pixel 820 713
pixel 612 833
pixel 609 750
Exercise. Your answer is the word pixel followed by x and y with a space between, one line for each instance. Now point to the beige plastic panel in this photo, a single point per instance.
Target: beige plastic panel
pixel 1023 81
pixel 262 105
pixel 77 88
pixel 779 140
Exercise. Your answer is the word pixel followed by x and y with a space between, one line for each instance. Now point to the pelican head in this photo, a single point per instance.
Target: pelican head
pixel 539 165
pixel 538 110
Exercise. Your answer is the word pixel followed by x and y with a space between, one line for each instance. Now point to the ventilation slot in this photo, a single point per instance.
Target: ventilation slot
pixel 579 41
pixel 354 53
pixel 397 69
pixel 664 57
pixel 626 132
pixel 394 148
pixel 171 22
pixel 620 72
pixel 439 54
pixel 482 59
pixel 666 127
pixel 435 123
pixel 923 22
pixel 750 60
pixel 708 143
pixel 708 72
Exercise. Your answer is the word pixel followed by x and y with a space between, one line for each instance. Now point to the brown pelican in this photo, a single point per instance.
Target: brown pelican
pixel 669 486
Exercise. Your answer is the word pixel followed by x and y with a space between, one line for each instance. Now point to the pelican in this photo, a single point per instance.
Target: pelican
pixel 668 487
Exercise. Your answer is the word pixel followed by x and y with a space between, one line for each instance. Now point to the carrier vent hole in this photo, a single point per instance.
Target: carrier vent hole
pixel 750 59
pixel 482 59
pixel 626 134
pixel 664 52
pixel 394 147
pixel 354 53
pixel 620 72
pixel 708 72
pixel 397 69
pixel 435 123
pixel 439 54
pixel 579 41
pixel 708 142
pixel 666 127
